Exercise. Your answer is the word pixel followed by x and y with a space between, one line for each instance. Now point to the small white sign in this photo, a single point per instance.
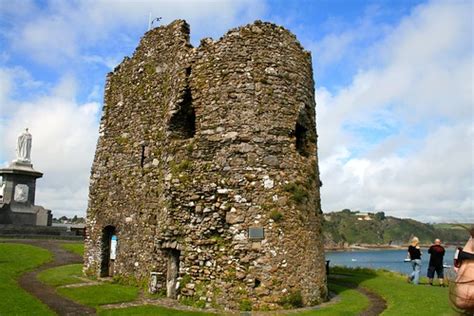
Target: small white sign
pixel 113 247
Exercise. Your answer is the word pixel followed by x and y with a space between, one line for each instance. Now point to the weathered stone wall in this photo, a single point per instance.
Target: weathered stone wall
pixel 197 146
pixel 127 191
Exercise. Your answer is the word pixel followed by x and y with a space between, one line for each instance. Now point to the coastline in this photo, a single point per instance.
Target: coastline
pixel 363 247
pixel 375 247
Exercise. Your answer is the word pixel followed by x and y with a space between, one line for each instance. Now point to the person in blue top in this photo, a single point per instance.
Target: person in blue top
pixel 414 254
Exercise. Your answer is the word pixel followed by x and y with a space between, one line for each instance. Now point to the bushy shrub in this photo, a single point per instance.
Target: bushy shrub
pixel 245 305
pixel 276 215
pixel 292 300
pixel 299 193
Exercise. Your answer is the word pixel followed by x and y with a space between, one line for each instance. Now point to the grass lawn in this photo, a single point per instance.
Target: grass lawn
pixel 402 298
pixel 351 303
pixel 63 275
pixel 96 295
pixel 16 259
pixel 77 248
pixel 151 310
pixel 90 295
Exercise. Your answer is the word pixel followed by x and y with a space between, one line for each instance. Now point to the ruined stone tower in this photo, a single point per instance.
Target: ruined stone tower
pixel 205 183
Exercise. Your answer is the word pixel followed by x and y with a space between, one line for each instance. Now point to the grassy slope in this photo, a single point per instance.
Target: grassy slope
pixel 77 248
pixel 96 295
pixel 16 259
pixel 151 310
pixel 460 226
pixel 91 295
pixel 63 275
pixel 402 298
pixel 351 303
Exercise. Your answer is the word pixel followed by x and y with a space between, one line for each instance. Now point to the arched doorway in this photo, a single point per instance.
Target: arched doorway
pixel 108 242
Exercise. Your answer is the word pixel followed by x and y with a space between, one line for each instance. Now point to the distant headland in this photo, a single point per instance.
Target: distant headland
pixel 362 230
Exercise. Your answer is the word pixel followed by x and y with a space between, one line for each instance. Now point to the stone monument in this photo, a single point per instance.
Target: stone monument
pixel 18 187
pixel 205 183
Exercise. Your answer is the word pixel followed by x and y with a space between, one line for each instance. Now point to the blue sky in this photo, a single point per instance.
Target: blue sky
pixel 393 82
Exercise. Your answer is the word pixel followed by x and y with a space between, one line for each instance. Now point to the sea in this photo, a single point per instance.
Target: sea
pixel 392 259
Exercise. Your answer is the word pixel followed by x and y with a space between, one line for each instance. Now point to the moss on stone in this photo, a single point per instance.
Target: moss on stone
pixel 299 193
pixel 277 216
pixel 245 305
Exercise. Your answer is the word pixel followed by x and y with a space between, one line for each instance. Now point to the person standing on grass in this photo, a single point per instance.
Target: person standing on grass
pixel 436 252
pixel 414 254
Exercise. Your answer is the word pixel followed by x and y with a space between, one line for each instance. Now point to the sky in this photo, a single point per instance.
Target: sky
pixel 394 92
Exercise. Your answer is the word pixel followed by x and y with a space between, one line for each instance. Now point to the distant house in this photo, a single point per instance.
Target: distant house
pixel 362 216
pixel 327 217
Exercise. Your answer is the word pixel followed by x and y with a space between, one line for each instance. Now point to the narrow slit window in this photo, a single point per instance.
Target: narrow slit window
pixel 301 135
pixel 142 159
pixel 305 132
pixel 183 122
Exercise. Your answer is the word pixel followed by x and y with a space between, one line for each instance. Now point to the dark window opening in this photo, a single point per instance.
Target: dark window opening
pixel 142 159
pixel 257 283
pixel 301 135
pixel 106 264
pixel 305 133
pixel 183 122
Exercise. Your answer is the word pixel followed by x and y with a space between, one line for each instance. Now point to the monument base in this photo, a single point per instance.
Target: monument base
pixel 17 196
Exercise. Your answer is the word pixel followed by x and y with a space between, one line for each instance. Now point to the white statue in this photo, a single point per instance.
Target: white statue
pixel 23 147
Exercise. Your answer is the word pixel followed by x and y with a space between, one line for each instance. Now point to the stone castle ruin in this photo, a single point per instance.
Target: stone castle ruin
pixel 205 183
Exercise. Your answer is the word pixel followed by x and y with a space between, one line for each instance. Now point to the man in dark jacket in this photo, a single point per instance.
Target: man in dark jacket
pixel 436 262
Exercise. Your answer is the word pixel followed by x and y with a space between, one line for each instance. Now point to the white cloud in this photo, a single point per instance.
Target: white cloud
pixel 63 35
pixel 11 81
pixel 415 84
pixel 62 30
pixel 421 80
pixel 64 139
pixel 424 185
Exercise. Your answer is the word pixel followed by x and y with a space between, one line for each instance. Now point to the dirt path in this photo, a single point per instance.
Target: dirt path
pixel 47 294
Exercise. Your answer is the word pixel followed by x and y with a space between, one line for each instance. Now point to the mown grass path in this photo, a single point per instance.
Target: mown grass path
pixel 377 303
pixel 46 293
pixel 14 260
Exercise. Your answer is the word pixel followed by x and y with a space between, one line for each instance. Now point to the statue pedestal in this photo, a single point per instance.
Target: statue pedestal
pixel 17 205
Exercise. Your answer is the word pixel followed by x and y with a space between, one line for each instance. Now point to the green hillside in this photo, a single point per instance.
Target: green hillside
pixel 347 227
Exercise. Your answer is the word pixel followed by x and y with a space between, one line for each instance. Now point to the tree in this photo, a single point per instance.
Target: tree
pixel 346 211
pixel 380 216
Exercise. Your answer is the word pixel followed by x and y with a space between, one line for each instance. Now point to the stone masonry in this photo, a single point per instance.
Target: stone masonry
pixel 206 170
